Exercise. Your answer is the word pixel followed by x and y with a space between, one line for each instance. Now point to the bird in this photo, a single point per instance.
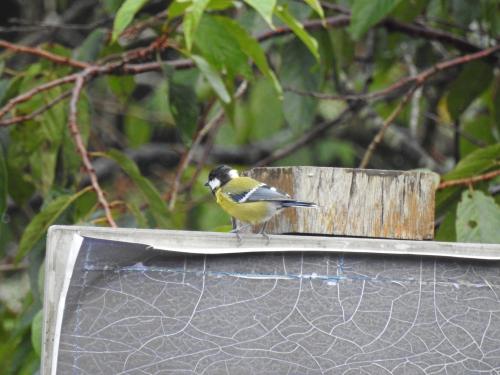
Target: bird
pixel 248 200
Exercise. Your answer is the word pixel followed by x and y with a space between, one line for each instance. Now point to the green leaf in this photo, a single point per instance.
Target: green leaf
pixel 92 45
pixel 250 47
pixel 4 86
pixel 121 86
pixel 220 47
pixel 474 78
pixel 300 71
pixel 36 332
pixel 40 223
pixel 213 77
pixel 153 197
pixel 494 105
pixel 176 8
pixel 298 29
pixel 3 183
pixel 184 109
pixel 191 20
pixel 366 13
pixel 408 12
pixel 316 6
pixel 125 15
pixel 50 130
pixel 447 230
pixel 265 8
pixel 475 163
pixel 478 218
pixel 84 205
pixel 138 215
pixel 479 129
pixel 137 130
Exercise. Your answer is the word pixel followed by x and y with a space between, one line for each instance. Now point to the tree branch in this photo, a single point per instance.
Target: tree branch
pixel 418 79
pixel 469 180
pixel 58 59
pixel 32 115
pixel 380 135
pixel 314 133
pixel 80 146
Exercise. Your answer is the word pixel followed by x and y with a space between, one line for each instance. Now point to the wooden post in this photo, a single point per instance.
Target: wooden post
pixel 354 202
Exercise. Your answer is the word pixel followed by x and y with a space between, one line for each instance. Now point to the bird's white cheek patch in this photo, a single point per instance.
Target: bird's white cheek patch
pixel 214 183
pixel 233 173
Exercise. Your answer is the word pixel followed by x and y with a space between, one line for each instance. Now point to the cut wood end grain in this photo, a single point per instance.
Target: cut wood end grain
pixel 355 202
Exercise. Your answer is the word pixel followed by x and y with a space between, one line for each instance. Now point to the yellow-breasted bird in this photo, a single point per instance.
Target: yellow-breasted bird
pixel 248 200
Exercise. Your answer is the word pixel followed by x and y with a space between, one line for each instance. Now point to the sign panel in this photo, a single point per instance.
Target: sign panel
pixel 132 309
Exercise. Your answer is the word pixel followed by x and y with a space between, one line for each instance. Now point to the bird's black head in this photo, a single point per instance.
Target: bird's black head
pixel 219 176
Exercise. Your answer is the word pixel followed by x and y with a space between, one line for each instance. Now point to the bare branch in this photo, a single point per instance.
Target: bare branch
pixel 44 54
pixel 380 135
pixel 80 146
pixel 39 111
pixel 315 132
pixel 469 180
pixel 36 90
pixel 418 79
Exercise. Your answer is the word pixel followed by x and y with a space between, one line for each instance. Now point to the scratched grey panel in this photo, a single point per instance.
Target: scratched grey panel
pixel 133 310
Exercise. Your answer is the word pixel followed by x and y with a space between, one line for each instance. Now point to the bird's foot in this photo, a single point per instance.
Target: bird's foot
pixel 238 235
pixel 264 234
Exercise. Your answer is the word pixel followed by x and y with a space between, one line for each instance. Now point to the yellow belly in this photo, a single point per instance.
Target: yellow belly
pixel 252 212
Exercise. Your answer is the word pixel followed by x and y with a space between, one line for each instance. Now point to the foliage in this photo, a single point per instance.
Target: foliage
pixel 170 88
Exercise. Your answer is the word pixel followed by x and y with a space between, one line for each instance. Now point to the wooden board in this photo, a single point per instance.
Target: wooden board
pixel 354 202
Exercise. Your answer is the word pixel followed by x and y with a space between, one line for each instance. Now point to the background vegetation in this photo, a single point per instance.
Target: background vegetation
pixel 112 113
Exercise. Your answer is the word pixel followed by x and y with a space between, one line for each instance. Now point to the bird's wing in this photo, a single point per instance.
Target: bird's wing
pixel 260 193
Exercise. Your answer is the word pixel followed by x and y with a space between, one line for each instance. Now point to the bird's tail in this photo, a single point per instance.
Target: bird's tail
pixel 298 204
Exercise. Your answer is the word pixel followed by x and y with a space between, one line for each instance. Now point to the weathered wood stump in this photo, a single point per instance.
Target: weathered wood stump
pixel 354 202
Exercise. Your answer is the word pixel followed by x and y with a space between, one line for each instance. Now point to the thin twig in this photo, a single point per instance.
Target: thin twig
pixel 80 146
pixel 36 90
pixel 25 27
pixel 420 78
pixel 141 25
pixel 469 180
pixel 380 135
pixel 32 115
pixel 186 158
pixel 406 81
pixel 58 59
pixel 332 22
pixel 308 137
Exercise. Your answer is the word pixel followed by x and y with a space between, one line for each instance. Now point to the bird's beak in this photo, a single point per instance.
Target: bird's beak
pixel 207 184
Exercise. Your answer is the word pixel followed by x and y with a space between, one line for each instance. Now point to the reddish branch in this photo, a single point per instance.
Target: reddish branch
pixel 80 146
pixel 36 90
pixel 110 68
pixel 39 111
pixel 418 79
pixel 136 28
pixel 58 59
pixel 470 180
